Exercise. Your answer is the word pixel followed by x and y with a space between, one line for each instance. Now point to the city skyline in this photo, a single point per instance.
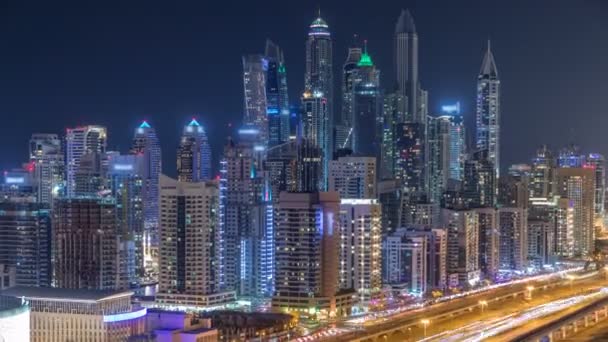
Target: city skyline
pixel 169 99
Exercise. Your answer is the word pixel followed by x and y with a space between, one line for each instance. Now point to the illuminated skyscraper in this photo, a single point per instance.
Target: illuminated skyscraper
pixel 489 246
pixel 366 108
pixel 319 76
pixel 126 183
pixel 410 158
pixel 25 243
pixel 488 110
pixel 188 252
pixel 360 246
pixel 254 84
pixel 47 158
pixel 194 154
pixel 479 184
pixel 307 256
pixel 277 99
pixel 597 162
pixel 146 144
pixel 349 71
pixel 80 141
pixel 542 174
pixel 246 219
pixel 513 228
pixel 578 186
pixel 316 128
pixel 393 113
pixel 463 247
pixel 85 243
pixel 406 68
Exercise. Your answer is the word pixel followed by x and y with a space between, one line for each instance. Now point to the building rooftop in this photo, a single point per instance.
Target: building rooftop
pixel 197 331
pixel 54 293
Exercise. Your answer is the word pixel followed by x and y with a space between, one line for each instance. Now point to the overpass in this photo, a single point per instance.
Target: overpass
pixel 567 326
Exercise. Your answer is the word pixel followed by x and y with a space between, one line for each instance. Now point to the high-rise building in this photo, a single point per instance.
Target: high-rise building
pixel 410 157
pixel 353 177
pixel 404 262
pixel 194 154
pixel 488 111
pixel 366 116
pixel 462 264
pixel 188 252
pixel 597 162
pixel 25 228
pixel 307 256
pixel 479 184
pixel 254 84
pixel 570 156
pixel 319 76
pixel 90 178
pixel 489 237
pixel 542 174
pixel 360 247
pixel 541 234
pixel 414 259
pixel 393 113
pixel 47 159
pixel 126 183
pixel 349 73
pixel 513 228
pixel 146 144
pixel 578 186
pixel 277 98
pixel 558 214
pixel 406 68
pixel 438 158
pixel 316 128
pixel 85 243
pixel 246 220
pixel 80 141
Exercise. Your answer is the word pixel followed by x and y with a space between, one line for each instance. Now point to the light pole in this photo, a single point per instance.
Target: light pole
pixel 529 290
pixel 571 279
pixel 483 304
pixel 425 324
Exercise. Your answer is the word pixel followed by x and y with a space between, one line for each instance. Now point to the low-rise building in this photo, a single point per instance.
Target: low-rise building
pixel 80 315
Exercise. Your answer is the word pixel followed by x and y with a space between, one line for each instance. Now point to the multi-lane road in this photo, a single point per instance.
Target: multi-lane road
pixel 488 309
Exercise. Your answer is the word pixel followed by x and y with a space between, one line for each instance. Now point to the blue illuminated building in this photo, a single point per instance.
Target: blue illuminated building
pixel 277 100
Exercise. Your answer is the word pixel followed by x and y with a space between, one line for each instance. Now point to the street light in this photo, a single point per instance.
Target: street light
pixel 529 288
pixel 571 279
pixel 425 323
pixel 483 304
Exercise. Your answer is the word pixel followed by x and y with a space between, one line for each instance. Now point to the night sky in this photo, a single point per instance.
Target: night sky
pixel 116 63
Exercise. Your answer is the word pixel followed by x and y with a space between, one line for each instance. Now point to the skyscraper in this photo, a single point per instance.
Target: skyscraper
pixel 578 186
pixel 542 174
pixel 513 228
pixel 316 129
pixel 488 110
pixel 489 242
pixel 462 265
pixel 255 67
pixel 366 115
pixel 479 184
pixel 85 243
pixel 47 158
pixel 319 76
pixel 307 256
pixel 277 98
pixel 597 162
pixel 349 71
pixel 194 154
pixel 360 246
pixel 146 144
pixel 80 141
pixel 188 252
pixel 393 113
pixel 406 68
pixel 245 219
pixel 25 228
pixel 126 183
pixel 410 158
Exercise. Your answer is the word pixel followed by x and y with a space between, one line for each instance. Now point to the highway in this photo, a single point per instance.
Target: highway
pixel 459 313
